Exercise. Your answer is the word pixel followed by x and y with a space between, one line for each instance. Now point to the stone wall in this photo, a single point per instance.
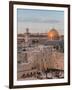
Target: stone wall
pixel 40 59
pixel 56 61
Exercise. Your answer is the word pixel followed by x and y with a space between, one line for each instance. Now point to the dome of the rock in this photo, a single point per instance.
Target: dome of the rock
pixel 53 34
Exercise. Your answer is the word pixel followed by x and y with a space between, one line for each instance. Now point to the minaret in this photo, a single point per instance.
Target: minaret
pixel 27 37
pixel 27 31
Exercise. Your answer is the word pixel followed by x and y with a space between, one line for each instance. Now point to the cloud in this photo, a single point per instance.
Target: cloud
pixel 39 20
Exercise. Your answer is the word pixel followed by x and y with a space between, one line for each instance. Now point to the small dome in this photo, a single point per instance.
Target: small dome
pixel 53 34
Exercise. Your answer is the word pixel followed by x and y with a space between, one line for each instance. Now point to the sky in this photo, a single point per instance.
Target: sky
pixel 40 21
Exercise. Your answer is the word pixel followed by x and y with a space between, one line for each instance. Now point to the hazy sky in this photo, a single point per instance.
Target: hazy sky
pixel 40 20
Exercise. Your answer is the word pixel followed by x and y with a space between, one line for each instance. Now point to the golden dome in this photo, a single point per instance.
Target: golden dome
pixel 53 34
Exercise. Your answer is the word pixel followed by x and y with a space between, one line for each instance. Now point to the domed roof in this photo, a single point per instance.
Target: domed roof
pixel 53 34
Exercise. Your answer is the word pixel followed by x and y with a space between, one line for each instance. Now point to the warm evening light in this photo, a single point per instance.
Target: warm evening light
pixel 53 34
